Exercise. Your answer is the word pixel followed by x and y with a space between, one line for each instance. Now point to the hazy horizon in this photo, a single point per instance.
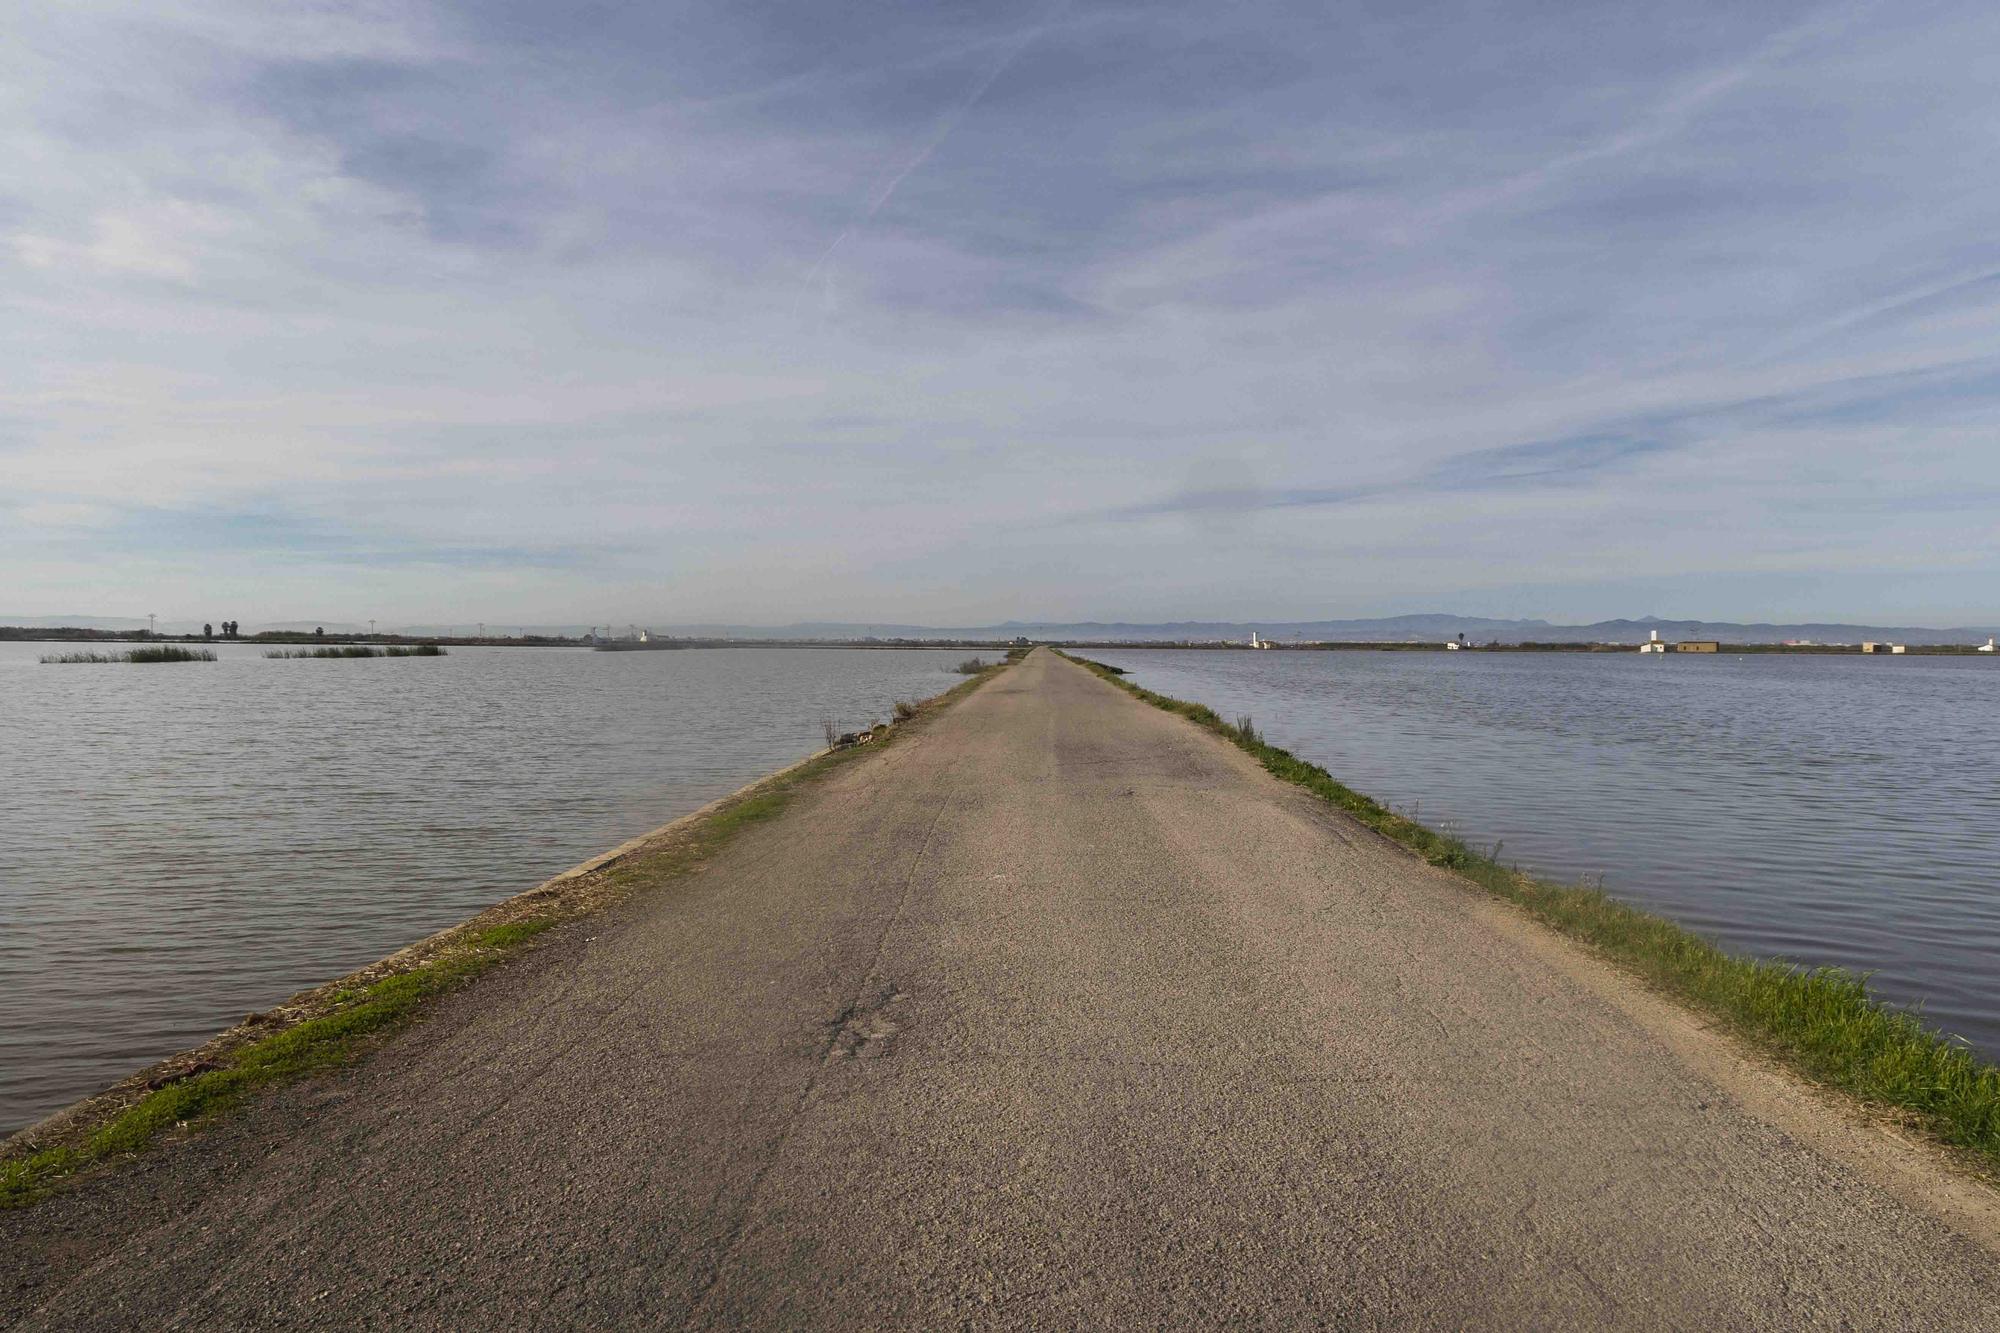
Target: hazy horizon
pixel 445 311
pixel 504 626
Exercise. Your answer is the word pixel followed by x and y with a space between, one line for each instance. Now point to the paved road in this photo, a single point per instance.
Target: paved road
pixel 1059 1014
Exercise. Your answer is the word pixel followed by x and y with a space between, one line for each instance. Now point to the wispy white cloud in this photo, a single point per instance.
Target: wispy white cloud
pixel 885 190
pixel 429 304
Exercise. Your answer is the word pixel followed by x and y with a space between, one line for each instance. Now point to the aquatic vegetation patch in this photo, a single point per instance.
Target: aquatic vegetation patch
pixel 346 650
pixel 335 651
pixel 1821 1021
pixel 170 653
pixel 163 653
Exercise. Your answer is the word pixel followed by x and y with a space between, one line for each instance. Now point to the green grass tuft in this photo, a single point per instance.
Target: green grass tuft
pixel 1821 1020
pixel 513 933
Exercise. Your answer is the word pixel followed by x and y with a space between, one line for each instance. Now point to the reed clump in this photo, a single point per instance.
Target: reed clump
pixel 163 653
pixel 345 650
pixel 971 666
pixel 170 653
pixel 1823 1021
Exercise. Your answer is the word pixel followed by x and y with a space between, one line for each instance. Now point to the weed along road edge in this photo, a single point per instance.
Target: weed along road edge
pixel 1056 1011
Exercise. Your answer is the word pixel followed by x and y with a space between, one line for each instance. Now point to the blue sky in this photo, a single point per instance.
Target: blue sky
pixel 952 313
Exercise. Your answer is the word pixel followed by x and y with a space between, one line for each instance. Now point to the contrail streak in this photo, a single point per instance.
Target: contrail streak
pixel 939 133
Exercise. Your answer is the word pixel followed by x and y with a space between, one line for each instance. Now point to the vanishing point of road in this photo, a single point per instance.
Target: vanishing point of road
pixel 1056 1013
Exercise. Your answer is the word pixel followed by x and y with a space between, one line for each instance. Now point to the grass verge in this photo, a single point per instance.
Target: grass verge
pixel 330 1026
pixel 1820 1021
pixel 348 1018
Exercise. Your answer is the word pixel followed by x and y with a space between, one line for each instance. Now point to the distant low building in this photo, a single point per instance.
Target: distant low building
pixel 1986 647
pixel 1698 646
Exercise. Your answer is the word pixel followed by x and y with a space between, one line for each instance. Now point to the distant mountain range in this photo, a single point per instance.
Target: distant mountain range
pixel 1481 629
pixel 1386 629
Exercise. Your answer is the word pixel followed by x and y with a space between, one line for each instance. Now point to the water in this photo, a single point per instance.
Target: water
pixel 182 844
pixel 1825 809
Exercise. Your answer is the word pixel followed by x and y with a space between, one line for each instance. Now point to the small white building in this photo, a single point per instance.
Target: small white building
pixel 1653 644
pixel 1986 647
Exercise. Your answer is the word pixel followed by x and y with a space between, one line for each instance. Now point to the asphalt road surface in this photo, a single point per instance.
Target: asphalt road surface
pixel 1058 1013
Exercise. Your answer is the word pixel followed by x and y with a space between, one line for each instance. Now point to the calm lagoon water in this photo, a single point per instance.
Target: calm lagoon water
pixel 1839 810
pixel 182 844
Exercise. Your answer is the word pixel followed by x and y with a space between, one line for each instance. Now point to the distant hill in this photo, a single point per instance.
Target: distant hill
pixel 1418 628
pixel 80 622
pixel 1385 629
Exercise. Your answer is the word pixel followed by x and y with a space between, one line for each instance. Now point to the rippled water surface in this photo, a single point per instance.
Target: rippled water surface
pixel 181 844
pixel 1828 809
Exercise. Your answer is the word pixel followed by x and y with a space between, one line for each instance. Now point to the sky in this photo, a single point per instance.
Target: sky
pixel 951 313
